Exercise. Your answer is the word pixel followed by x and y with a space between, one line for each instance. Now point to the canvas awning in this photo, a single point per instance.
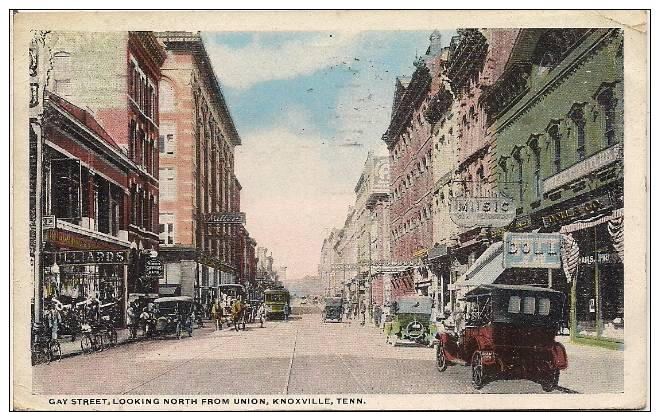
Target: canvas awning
pixel 486 269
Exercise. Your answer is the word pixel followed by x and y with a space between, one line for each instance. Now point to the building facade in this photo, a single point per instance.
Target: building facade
pixel 197 143
pixel 556 116
pixel 119 91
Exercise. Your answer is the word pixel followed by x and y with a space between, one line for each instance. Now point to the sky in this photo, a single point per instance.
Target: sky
pixel 308 106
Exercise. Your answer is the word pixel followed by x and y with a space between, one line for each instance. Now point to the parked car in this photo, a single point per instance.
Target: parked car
pixel 411 321
pixel 173 315
pixel 333 310
pixel 509 333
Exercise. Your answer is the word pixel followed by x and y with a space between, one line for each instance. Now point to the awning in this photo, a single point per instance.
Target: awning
pixel 486 269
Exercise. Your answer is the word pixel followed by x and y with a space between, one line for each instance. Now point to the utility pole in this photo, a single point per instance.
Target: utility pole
pixel 38 71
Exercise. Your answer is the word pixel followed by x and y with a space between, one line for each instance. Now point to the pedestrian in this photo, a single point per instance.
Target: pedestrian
pixel 261 314
pixel 53 320
pixel 363 313
pixel 131 320
pixel 217 314
pixel 145 318
pixel 236 312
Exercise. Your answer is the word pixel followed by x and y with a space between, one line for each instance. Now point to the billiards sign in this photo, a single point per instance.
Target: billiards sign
pixel 532 250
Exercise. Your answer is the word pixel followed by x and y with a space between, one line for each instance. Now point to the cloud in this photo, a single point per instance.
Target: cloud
pixel 264 58
pixel 295 188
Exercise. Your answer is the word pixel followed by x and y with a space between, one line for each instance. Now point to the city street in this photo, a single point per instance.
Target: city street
pixel 299 356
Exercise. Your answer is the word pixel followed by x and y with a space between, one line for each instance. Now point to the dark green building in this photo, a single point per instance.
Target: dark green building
pixel 556 121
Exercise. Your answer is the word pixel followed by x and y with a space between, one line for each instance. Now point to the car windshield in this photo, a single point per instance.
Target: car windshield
pixel 414 305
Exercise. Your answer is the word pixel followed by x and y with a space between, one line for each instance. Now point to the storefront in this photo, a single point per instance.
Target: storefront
pixel 79 264
pixel 597 280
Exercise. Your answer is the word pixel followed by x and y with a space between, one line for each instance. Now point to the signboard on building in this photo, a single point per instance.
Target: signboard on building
pixel 48 222
pixel 91 257
pixel 583 168
pixel 228 218
pixel 153 268
pixel 482 211
pixel 578 211
pixel 532 250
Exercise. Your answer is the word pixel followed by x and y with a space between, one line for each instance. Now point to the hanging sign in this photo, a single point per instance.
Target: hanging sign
pixel 482 211
pixel 532 250
pixel 231 218
pixel 154 268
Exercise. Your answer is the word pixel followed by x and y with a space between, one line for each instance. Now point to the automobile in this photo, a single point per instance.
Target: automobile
pixel 333 310
pixel 509 333
pixel 411 321
pixel 173 315
pixel 277 302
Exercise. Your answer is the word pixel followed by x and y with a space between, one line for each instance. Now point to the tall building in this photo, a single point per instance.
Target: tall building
pixel 197 142
pixel 113 96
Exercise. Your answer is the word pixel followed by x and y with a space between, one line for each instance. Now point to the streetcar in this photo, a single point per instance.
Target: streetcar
pixel 278 303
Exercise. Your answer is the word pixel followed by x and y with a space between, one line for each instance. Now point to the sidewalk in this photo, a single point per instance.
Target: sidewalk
pixel 73 348
pixel 591 369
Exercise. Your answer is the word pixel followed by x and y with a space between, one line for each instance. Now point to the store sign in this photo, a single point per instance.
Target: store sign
pixel 482 211
pixel 154 268
pixel 71 240
pixel 583 168
pixel 577 211
pixel 603 258
pixel 532 250
pixel 92 257
pixel 229 218
pixel 48 222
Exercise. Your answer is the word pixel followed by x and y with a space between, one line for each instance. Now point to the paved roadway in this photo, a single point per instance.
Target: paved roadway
pixel 299 356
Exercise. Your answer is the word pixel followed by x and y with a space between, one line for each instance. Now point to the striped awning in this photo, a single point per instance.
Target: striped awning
pixel 587 223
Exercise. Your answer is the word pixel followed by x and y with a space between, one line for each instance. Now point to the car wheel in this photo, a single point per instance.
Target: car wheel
pixel 478 380
pixel 551 381
pixel 440 358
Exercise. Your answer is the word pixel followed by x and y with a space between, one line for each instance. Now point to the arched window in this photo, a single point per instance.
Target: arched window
pixel 608 103
pixel 577 116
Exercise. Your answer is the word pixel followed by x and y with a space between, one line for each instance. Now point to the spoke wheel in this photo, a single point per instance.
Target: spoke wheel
pixel 86 343
pixel 440 358
pixel 477 371
pixel 55 351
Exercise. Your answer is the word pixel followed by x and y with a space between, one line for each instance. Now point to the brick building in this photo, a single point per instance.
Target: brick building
pixel 197 143
pixel 118 88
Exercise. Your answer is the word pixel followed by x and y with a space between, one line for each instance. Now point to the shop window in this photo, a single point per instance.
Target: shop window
pixel 544 306
pixel 514 304
pixel 529 305
pixel 66 188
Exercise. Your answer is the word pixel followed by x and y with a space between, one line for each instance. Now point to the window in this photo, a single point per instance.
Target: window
pixel 166 229
pixel 544 306
pixel 167 144
pixel 556 142
pixel 577 115
pixel 519 163
pixel 536 155
pixel 167 183
pixel 62 74
pixel 514 304
pixel 608 102
pixel 529 305
pixel 505 174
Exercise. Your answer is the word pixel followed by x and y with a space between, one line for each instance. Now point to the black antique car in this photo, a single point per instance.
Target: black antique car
pixel 509 333
pixel 173 315
pixel 333 310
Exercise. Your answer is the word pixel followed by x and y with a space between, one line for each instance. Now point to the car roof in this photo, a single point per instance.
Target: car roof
pixel 174 299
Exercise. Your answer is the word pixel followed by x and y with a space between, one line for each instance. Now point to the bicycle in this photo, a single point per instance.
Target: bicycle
pixel 45 349
pixel 91 340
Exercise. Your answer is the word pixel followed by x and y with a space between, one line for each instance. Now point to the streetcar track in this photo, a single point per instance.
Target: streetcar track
pixel 293 355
